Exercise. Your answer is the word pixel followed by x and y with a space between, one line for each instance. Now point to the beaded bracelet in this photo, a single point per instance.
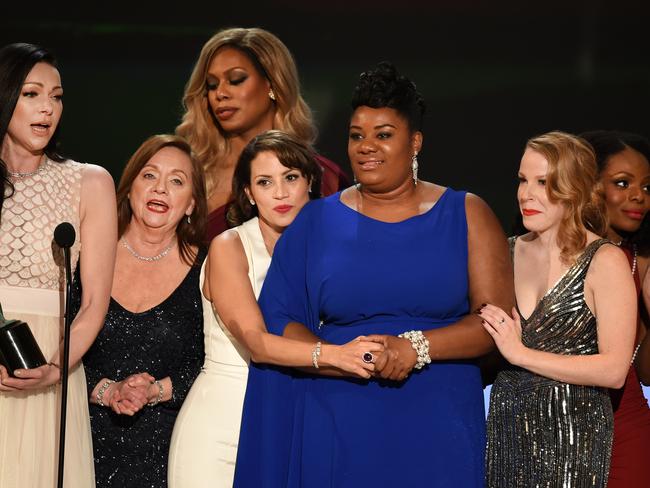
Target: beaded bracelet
pixel 101 391
pixel 160 394
pixel 315 354
pixel 421 345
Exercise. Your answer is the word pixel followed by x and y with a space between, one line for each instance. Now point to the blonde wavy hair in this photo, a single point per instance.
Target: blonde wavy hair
pixel 274 62
pixel 572 180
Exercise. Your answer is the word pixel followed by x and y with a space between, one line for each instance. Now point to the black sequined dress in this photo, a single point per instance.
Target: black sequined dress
pixel 166 340
pixel 542 432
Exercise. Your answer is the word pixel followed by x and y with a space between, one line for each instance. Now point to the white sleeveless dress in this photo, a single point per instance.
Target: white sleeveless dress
pixel 204 442
pixel 32 280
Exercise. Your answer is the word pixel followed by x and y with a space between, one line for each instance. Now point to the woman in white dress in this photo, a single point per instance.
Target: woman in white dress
pixel 41 190
pixel 275 177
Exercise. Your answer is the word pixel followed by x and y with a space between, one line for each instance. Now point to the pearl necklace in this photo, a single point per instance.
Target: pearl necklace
pixel 634 260
pixel 18 174
pixel 148 259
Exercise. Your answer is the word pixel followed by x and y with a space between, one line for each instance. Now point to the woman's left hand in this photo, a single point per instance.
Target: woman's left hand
pixel 505 330
pixel 397 361
pixel 33 379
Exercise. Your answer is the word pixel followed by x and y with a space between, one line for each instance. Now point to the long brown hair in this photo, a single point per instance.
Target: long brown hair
pixel 274 62
pixel 572 180
pixel 188 234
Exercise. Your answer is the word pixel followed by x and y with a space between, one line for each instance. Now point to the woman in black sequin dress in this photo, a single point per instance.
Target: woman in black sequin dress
pixel 151 347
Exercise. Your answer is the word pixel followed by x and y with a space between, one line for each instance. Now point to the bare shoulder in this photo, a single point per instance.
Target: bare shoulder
pixel 480 215
pixel 226 249
pixel 96 176
pixel 475 205
pixel 609 261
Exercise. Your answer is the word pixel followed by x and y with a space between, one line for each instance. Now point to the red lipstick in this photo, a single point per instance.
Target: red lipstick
pixel 634 214
pixel 529 212
pixel 283 208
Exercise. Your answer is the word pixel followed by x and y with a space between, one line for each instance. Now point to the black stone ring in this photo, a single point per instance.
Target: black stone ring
pixel 368 357
pixel 502 320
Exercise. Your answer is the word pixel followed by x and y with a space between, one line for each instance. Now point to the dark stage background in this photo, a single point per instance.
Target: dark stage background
pixel 493 74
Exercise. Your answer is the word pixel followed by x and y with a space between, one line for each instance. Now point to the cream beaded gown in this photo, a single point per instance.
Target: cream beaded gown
pixel 31 289
pixel 206 434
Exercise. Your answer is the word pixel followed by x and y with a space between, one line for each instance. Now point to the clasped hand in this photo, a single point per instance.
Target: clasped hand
pixel 397 360
pixel 129 396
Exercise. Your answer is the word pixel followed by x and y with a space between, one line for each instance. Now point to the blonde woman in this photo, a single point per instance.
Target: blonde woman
pixel 244 83
pixel 570 336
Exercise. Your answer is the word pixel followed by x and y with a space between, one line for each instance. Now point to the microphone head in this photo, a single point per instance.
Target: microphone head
pixel 64 234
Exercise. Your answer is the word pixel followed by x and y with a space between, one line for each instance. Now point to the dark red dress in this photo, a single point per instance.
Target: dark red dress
pixel 630 466
pixel 334 179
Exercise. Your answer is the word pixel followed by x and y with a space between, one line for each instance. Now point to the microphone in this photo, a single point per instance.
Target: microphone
pixel 64 236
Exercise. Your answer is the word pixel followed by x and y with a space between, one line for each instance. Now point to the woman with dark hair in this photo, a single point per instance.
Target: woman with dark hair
pixel 276 175
pixel 569 337
pixel 624 168
pixel 244 83
pixel 149 351
pixel 395 259
pixel 41 189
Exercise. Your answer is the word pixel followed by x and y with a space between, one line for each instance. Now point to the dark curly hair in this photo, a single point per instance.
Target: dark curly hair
pixel 383 87
pixel 607 143
pixel 290 151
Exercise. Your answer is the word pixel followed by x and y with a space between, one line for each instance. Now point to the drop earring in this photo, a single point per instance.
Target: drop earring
pixel 271 94
pixel 189 219
pixel 252 202
pixel 414 167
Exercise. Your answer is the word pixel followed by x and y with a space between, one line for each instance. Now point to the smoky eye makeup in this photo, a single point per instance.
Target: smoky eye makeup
pixel 237 80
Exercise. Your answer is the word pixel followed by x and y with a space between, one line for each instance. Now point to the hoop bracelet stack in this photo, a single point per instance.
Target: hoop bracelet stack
pixel 101 391
pixel 160 394
pixel 421 346
pixel 315 354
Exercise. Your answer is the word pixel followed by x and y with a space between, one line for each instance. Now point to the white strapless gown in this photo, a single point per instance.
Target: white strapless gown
pixel 204 442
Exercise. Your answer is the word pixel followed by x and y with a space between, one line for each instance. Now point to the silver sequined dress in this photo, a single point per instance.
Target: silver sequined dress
pixel 542 432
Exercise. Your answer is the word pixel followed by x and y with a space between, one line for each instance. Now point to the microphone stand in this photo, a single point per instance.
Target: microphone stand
pixel 65 365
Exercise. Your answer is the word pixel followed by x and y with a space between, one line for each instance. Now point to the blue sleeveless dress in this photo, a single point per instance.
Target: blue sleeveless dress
pixel 343 275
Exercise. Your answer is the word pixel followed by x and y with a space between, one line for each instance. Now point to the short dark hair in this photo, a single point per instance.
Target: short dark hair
pixel 188 234
pixel 383 87
pixel 290 151
pixel 16 61
pixel 607 143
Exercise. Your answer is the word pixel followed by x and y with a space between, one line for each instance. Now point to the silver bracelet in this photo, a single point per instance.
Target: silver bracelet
pixel 315 354
pixel 101 391
pixel 421 345
pixel 160 394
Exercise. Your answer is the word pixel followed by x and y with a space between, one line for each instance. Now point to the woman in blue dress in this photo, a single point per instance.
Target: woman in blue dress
pixel 404 262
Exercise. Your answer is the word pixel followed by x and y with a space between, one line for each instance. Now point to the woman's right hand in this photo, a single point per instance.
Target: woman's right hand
pixel 130 395
pixel 349 357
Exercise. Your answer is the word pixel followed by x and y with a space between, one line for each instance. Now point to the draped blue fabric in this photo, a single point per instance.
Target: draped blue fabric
pixel 343 275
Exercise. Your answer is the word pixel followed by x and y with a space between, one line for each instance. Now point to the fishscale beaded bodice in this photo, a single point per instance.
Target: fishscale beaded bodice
pixel 29 257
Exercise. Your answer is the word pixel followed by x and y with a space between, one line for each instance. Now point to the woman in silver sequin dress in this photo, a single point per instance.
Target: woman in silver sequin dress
pixel 570 335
